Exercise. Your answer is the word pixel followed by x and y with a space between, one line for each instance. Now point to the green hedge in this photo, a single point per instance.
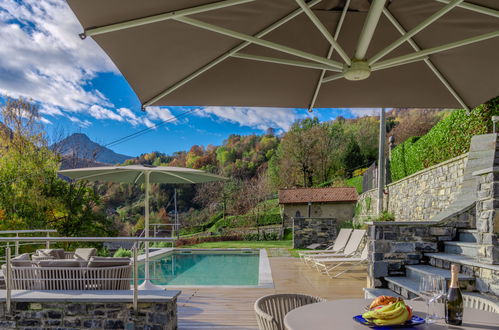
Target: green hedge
pixel 449 138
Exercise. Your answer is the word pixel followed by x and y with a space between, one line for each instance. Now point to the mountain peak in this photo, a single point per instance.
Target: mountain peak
pixel 80 146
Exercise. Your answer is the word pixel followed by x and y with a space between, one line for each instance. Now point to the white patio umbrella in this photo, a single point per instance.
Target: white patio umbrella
pixel 143 174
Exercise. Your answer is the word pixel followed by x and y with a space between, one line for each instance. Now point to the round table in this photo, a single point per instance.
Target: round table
pixel 337 314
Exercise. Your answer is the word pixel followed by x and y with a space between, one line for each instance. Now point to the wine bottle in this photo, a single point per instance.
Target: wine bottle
pixel 454 300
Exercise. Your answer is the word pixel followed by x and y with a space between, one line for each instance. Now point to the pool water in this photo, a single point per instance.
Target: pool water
pixel 204 268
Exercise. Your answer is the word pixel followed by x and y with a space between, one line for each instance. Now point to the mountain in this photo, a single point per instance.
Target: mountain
pixel 78 149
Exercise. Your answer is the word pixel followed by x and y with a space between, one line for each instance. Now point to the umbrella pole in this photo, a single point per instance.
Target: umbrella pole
pixel 147 285
pixel 381 159
pixel 146 222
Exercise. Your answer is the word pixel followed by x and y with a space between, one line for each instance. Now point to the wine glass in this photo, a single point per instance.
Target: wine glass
pixel 431 288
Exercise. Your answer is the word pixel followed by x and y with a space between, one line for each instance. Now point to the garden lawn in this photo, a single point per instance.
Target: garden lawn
pixel 288 244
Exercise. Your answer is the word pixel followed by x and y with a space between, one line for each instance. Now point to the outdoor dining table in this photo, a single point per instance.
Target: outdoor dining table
pixel 337 314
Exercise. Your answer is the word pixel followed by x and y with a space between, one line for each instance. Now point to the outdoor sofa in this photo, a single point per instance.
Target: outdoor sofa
pixel 56 269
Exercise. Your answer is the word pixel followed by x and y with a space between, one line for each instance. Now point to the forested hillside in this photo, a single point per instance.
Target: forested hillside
pixel 311 153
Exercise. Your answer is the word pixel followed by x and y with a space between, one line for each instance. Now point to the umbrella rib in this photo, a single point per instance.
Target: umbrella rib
pixel 160 17
pixel 138 177
pixel 302 64
pixel 332 78
pixel 318 24
pixel 92 175
pixel 257 41
pixel 177 176
pixel 475 8
pixel 369 27
pixel 223 57
pixel 428 62
pixel 329 54
pixel 435 50
pixel 419 59
pixel 418 28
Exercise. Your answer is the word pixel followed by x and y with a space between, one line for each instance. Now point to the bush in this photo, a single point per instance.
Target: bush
pixel 121 252
pixel 288 234
pixel 385 216
pixel 203 239
pixel 449 138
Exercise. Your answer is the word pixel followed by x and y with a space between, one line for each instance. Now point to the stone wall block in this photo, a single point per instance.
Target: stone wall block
pixel 380 269
pixel 403 247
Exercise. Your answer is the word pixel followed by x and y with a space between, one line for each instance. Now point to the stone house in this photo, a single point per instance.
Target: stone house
pixel 332 202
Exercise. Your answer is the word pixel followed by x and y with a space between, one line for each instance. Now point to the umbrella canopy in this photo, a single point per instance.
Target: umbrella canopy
pixel 297 53
pixel 146 175
pixel 136 174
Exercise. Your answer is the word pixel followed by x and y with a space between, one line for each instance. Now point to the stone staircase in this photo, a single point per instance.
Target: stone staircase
pixel 462 251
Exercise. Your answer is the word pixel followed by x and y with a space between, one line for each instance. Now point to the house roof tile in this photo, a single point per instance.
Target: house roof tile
pixel 317 195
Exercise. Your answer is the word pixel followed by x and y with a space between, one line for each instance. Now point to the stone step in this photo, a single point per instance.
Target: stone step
pixel 463 248
pixel 371 293
pixel 417 271
pixel 404 286
pixel 444 260
pixel 468 235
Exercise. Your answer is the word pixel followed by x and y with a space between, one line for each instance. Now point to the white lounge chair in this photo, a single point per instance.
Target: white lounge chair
pixel 327 265
pixel 339 244
pixel 350 249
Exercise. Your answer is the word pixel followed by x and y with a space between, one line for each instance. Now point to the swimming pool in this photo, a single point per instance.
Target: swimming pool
pixel 214 267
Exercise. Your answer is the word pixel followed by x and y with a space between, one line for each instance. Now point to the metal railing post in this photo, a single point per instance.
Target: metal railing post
pixel 47 243
pixel 135 281
pixel 8 281
pixel 16 251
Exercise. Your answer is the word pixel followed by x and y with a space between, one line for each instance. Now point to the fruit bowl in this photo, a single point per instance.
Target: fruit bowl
pixel 414 321
pixel 387 312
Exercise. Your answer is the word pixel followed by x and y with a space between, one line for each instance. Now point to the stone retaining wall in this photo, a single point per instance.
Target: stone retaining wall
pixel 98 315
pixel 308 231
pixel 418 196
pixel 394 245
pixel 487 215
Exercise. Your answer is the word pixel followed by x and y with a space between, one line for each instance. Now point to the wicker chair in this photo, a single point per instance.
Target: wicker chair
pixel 270 310
pixel 480 302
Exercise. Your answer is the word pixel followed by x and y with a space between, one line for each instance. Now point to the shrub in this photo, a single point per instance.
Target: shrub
pixel 449 138
pixel 385 216
pixel 121 252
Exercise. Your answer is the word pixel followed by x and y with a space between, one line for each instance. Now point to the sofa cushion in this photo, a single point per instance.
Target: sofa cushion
pixel 85 253
pixel 56 253
pixel 108 262
pixel 21 260
pixel 37 258
pixel 59 263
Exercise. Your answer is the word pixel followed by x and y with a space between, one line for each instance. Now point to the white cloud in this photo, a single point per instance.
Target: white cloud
pixel 99 112
pixel 81 123
pixel 255 117
pixel 160 113
pixel 43 58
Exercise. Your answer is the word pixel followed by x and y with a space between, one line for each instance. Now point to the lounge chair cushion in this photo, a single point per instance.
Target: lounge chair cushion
pixel 37 258
pixel 56 253
pixel 59 263
pixel 21 260
pixel 108 262
pixel 85 253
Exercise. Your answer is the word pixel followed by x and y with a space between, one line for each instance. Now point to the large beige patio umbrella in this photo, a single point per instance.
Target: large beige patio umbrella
pixel 142 174
pixel 297 53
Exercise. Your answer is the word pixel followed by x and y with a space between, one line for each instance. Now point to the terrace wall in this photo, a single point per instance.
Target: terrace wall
pixel 419 196
pixel 102 313
pixel 307 231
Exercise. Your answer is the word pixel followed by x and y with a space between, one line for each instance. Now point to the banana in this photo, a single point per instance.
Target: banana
pixel 374 313
pixel 397 320
pixel 390 313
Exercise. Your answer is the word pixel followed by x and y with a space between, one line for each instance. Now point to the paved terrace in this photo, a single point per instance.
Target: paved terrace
pixel 232 308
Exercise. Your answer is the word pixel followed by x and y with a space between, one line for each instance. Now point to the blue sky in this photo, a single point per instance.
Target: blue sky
pixel 80 90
